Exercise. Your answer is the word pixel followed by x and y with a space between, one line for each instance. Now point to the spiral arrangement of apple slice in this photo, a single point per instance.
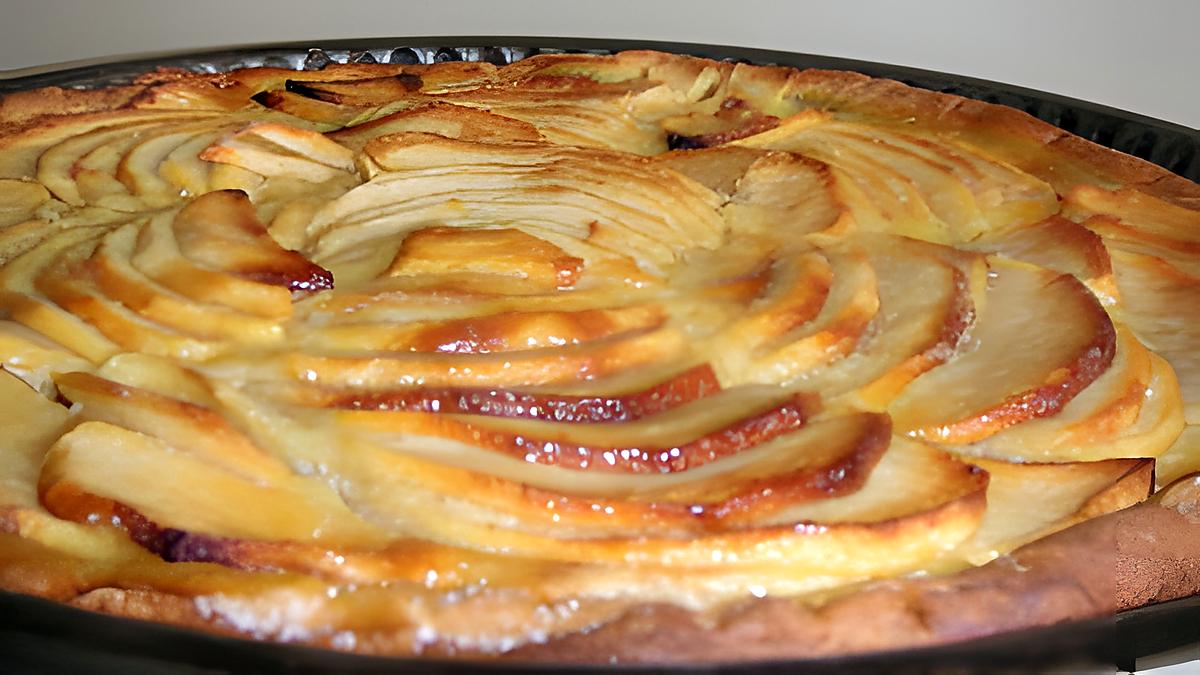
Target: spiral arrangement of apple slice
pixel 368 350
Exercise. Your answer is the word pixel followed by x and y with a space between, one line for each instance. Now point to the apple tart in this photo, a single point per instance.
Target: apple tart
pixel 635 357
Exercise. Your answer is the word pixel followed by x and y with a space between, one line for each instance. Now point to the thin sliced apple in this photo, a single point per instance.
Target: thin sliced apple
pixel 1162 306
pixel 1132 410
pixel 272 149
pixel 1181 459
pixel 34 358
pixel 1030 501
pixel 26 305
pixel 32 423
pixel 928 299
pixel 159 258
pixel 187 427
pixel 687 386
pixel 676 440
pixel 19 199
pixel 542 366
pixel 745 353
pixel 1067 341
pixel 451 121
pixel 127 467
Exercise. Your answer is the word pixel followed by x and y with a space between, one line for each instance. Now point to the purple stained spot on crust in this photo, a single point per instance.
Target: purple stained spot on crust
pixel 190 547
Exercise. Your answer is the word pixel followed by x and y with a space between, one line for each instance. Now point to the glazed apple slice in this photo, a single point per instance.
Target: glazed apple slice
pixel 198 497
pixel 1160 302
pixel 187 427
pixel 1030 501
pixel 26 305
pixel 118 279
pixel 221 231
pixel 687 386
pixel 451 121
pixel 33 423
pixel 1131 410
pixel 182 167
pixel 1059 244
pixel 785 195
pixel 58 166
pixel 494 333
pixel 33 357
pixel 145 168
pixel 278 150
pixel 1068 341
pixel 676 440
pixel 928 298
pixel 781 339
pixel 1181 459
pixel 159 258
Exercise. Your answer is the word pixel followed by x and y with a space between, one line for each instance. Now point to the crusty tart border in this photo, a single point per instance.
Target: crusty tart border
pixel 1145 554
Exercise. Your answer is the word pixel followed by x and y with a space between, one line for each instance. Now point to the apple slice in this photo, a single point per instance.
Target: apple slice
pixel 186 427
pixel 221 231
pixel 451 121
pixel 119 280
pixel 159 258
pixel 26 305
pixel 781 339
pixel 1181 459
pixel 687 386
pixel 1058 244
pixel 1067 342
pixel 32 423
pixel 1160 303
pixel 928 299
pixel 507 332
pixel 272 149
pixel 33 357
pixel 785 195
pixel 59 166
pixel 1030 501
pixel 582 194
pixel 100 459
pixel 19 199
pixel 503 252
pixel 1132 410
pixel 677 440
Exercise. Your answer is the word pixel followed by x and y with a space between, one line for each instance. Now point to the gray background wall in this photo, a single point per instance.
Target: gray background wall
pixel 1140 56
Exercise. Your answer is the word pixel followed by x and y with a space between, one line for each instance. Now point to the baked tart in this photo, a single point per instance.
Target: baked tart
pixel 639 357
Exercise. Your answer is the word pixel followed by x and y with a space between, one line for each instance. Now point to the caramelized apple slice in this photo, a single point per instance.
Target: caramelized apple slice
pixel 533 367
pixel 221 231
pixel 1181 459
pixel 159 258
pixel 677 440
pixel 785 195
pixel 1030 501
pixel 1131 410
pixel 1067 342
pixel 504 252
pixel 100 459
pixel 508 332
pixel 186 427
pixel 690 385
pixel 274 149
pixel 26 305
pixel 119 280
pixel 1058 244
pixel 451 121
pixel 928 299
pixel 746 353
pixel 1160 302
